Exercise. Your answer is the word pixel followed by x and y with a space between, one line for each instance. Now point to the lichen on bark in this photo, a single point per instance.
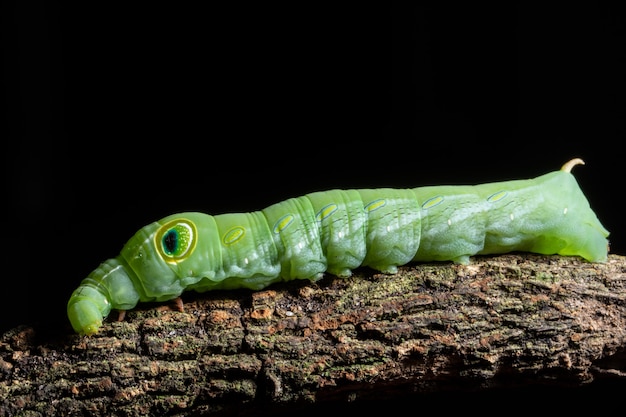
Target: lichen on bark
pixel 510 320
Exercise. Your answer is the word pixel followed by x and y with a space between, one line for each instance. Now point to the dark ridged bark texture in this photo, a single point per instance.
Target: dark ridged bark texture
pixel 505 322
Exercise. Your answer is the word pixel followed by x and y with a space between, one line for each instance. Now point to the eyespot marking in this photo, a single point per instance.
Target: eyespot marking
pixel 176 240
pixel 432 202
pixel 497 196
pixel 233 235
pixel 170 241
pixel 326 211
pixel 282 223
pixel 375 205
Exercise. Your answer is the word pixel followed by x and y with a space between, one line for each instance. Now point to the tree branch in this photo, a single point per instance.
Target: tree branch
pixel 504 321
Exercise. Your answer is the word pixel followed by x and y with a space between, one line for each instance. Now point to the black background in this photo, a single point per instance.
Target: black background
pixel 117 115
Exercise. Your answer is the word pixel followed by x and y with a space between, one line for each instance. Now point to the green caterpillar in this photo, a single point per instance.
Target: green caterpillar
pixel 337 231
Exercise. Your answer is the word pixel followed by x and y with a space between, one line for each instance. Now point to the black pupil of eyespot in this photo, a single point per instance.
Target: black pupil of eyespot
pixel 170 241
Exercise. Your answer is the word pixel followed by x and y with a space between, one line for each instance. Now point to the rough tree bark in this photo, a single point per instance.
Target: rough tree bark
pixel 502 321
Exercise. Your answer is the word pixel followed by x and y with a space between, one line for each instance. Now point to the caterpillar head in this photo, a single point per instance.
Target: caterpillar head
pixel 86 309
pixel 108 286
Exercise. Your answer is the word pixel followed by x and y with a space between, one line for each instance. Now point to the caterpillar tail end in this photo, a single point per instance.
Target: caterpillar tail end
pixel 108 286
pixel 567 167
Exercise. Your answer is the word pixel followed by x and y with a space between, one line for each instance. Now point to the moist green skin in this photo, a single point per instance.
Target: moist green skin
pixel 337 231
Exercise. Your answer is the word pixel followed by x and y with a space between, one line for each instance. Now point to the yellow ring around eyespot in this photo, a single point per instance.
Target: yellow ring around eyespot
pixel 158 236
